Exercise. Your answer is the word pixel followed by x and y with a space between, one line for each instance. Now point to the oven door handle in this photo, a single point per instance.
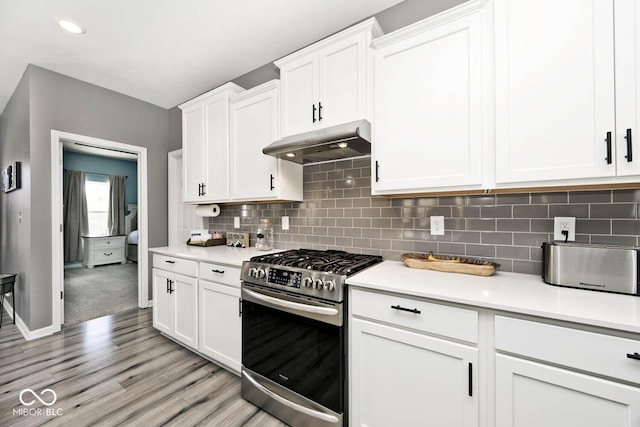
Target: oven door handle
pixel 307 411
pixel 293 305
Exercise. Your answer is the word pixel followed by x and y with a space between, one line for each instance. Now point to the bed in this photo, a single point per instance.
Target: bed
pixel 131 229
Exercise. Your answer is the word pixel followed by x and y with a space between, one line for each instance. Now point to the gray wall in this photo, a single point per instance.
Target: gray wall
pixel 66 104
pixel 15 244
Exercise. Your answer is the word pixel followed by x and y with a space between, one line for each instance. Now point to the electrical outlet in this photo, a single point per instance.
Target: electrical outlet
pixel 236 222
pixel 437 226
pixel 564 223
pixel 285 223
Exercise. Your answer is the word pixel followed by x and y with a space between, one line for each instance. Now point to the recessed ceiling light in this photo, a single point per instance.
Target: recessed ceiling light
pixel 291 154
pixel 71 26
pixel 342 144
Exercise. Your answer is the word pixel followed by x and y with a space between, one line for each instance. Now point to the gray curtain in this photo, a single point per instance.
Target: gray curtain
pixel 76 219
pixel 115 220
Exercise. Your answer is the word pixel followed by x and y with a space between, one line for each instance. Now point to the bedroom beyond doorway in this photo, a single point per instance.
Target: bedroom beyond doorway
pixel 99 291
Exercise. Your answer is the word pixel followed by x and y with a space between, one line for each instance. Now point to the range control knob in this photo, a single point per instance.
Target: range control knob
pixel 329 285
pixel 261 274
pixel 307 282
pixel 317 284
pixel 253 272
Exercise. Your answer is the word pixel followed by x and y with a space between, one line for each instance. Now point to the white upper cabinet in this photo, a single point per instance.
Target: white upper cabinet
pixel 429 121
pixel 254 125
pixel 566 91
pixel 205 144
pixel 329 82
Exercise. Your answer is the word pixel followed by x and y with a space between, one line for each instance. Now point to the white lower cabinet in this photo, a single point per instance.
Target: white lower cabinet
pixel 576 377
pixel 220 323
pixel 400 375
pixel 530 394
pixel 175 306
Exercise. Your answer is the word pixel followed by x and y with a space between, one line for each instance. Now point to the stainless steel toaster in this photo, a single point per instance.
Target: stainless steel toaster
pixel 596 267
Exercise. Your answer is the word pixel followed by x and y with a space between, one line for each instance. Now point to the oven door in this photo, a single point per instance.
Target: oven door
pixel 297 344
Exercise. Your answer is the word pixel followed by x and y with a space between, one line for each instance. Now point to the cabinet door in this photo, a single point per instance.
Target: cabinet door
pixel 530 394
pixel 220 324
pixel 216 150
pixel 627 41
pixel 428 115
pixel 193 149
pixel 185 321
pixel 554 90
pixel 254 125
pixel 163 309
pixel 401 378
pixel 299 80
pixel 343 81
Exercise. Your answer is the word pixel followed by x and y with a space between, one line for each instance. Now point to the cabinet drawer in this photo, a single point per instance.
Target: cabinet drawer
pixel 220 273
pixel 109 242
pixel 108 255
pixel 452 322
pixel 588 351
pixel 176 265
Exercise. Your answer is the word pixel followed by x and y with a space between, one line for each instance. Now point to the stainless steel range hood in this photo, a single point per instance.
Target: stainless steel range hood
pixel 334 143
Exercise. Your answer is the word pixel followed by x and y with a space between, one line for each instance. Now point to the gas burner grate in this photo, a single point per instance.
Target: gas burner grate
pixel 329 261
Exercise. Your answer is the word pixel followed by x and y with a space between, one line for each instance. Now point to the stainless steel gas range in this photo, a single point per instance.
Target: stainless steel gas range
pixel 293 333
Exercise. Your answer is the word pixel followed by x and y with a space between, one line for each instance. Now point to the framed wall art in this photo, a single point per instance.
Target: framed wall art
pixel 11 177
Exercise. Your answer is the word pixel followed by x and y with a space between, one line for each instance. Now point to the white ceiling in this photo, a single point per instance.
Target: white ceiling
pixel 164 51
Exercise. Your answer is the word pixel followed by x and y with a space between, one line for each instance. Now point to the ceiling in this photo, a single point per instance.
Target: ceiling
pixel 164 51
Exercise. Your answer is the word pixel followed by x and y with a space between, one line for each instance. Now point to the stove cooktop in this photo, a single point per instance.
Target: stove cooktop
pixel 309 272
pixel 329 261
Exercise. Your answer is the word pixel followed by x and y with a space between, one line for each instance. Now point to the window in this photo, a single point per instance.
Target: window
pixel 97 206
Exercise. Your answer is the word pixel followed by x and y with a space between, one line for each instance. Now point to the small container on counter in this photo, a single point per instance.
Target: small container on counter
pixel 264 240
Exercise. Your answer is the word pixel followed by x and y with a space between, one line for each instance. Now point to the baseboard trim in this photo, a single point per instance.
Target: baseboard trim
pixel 24 330
pixel 150 303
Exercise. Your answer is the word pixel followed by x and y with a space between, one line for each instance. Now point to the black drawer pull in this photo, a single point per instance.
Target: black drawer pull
pixel 410 310
pixel 635 356
pixel 470 380
pixel 170 262
pixel 217 271
pixel 108 254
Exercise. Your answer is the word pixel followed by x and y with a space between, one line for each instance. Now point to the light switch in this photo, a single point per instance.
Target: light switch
pixel 236 222
pixel 285 222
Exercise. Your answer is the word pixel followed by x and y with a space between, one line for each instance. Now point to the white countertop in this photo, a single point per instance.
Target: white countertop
pixel 519 293
pixel 222 254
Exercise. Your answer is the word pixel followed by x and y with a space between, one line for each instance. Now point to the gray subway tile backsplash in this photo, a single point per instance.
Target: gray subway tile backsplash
pixel 338 212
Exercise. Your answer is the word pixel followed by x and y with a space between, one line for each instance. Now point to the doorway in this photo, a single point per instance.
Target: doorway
pixel 58 140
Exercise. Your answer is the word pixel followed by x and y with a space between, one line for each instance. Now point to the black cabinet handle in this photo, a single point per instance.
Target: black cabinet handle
pixel 410 310
pixel 608 141
pixel 168 261
pixel 377 170
pixel 629 155
pixel 203 192
pixel 239 307
pixel 313 111
pixel 167 290
pixel 170 286
pixel 199 189
pixel 217 271
pixel 319 111
pixel 271 182
pixel 470 379
pixel 635 356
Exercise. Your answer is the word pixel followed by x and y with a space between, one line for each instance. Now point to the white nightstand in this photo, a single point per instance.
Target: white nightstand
pixel 103 250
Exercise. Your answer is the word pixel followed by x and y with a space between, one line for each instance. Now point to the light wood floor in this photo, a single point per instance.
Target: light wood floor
pixel 118 371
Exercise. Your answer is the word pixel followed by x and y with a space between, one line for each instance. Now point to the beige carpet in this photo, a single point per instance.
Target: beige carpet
pixel 99 291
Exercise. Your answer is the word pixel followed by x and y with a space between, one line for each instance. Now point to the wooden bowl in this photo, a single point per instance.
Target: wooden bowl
pixel 450 264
